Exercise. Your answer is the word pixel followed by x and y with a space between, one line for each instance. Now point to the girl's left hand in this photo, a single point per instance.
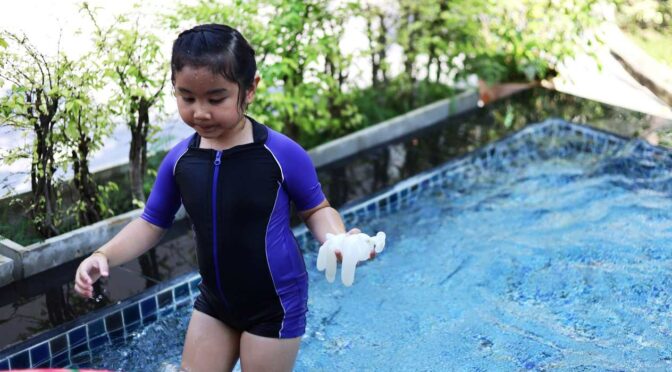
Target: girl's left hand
pixel 339 257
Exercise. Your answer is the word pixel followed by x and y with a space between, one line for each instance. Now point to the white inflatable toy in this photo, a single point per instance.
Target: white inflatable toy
pixel 353 248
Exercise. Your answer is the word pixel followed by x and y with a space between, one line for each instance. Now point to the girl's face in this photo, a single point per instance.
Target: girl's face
pixel 208 102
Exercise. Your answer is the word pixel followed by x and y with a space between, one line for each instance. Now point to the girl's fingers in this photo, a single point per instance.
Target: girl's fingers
pixel 83 274
pixel 354 231
pixel 83 290
pixel 101 264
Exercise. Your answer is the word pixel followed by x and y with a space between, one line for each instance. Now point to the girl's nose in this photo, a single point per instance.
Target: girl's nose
pixel 201 113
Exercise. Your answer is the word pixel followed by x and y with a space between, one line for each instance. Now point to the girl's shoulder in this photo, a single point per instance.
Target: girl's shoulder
pixel 179 149
pixel 281 141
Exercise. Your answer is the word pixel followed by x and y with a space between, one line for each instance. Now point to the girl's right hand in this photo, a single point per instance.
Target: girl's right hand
pixel 88 272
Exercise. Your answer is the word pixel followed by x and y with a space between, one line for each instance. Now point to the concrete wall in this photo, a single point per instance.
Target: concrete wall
pixel 389 130
pixel 6 269
pixel 17 261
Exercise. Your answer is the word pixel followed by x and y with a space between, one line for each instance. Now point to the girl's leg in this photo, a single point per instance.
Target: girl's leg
pixel 210 345
pixel 267 354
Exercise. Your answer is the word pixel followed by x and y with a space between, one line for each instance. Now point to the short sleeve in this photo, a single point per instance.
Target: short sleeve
pixel 164 199
pixel 298 171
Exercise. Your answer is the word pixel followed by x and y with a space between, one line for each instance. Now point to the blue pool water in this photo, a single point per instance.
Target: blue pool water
pixel 558 259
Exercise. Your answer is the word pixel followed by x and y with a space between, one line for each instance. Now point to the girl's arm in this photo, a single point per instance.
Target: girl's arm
pixel 133 240
pixel 324 219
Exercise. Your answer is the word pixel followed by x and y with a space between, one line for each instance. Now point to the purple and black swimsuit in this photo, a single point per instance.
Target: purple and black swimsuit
pixel 253 275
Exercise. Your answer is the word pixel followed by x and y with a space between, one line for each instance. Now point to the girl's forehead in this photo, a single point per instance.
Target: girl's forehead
pixel 201 77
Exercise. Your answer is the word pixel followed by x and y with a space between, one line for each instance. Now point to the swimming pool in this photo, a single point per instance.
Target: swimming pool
pixel 549 249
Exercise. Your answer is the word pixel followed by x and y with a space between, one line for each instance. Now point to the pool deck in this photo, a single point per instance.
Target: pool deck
pixel 621 83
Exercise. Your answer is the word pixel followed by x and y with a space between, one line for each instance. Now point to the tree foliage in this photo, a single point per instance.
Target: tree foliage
pixel 525 40
pixel 303 71
pixel 49 100
pixel 130 58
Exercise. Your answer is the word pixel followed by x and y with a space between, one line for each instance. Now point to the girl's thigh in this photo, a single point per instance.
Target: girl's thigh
pixel 267 354
pixel 210 345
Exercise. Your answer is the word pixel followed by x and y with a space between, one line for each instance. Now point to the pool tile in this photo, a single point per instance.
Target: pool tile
pixel 77 336
pixel 117 335
pixel 132 327
pixel 183 304
pixel 46 364
pixel 96 328
pixel 98 341
pixel 148 307
pixel 81 360
pixel 132 314
pixel 60 360
pixel 181 291
pixel 194 284
pixel 39 354
pixel 149 319
pixel 58 344
pixel 394 198
pixel 114 322
pixel 79 349
pixel 165 299
pixel 20 360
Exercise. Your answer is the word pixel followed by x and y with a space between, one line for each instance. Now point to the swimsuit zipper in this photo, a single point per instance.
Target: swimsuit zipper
pixel 218 161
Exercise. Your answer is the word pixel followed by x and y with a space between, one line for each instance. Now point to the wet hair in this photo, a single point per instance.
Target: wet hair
pixel 221 49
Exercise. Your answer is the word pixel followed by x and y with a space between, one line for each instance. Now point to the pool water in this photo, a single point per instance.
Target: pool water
pixel 549 262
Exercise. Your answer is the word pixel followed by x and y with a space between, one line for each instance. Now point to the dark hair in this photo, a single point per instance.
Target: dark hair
pixel 220 48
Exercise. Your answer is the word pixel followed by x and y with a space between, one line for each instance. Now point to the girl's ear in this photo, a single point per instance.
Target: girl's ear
pixel 249 96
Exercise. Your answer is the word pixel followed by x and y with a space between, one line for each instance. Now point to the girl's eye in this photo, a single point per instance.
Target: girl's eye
pixel 188 99
pixel 217 101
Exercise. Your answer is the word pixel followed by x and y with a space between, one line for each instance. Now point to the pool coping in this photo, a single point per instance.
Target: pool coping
pixel 75 339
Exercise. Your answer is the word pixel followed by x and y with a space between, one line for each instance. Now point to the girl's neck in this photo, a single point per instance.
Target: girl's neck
pixel 241 134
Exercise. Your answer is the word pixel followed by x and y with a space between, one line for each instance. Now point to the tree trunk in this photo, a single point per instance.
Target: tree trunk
pixel 138 151
pixel 382 44
pixel 42 171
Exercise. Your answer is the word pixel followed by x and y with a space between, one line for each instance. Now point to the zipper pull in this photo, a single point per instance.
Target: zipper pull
pixel 218 159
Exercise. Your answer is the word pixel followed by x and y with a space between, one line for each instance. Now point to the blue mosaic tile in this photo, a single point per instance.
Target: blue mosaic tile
pixel 96 328
pixel 58 345
pixel 79 349
pixel 194 285
pixel 4 364
pixel 45 364
pixel 181 291
pixel 132 327
pixel 394 198
pixel 184 304
pixel 98 341
pixel 81 360
pixel 131 314
pixel 61 360
pixel 20 360
pixel 148 307
pixel 117 335
pixel 165 299
pixel 39 354
pixel 149 319
pixel 77 336
pixel 114 321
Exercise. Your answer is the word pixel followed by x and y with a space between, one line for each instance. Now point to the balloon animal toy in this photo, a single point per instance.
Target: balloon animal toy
pixel 353 248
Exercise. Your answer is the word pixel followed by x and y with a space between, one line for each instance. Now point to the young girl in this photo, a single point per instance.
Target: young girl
pixel 235 178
